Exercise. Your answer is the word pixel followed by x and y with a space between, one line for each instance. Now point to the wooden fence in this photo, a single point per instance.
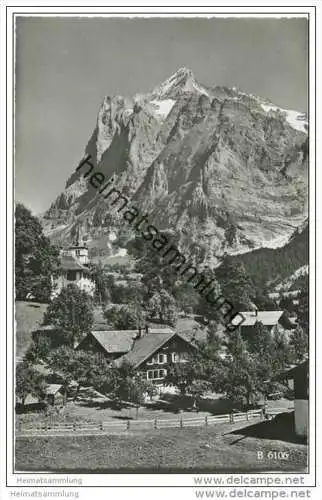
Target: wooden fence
pixel 125 425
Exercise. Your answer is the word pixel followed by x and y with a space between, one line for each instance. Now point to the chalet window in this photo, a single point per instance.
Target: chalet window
pixel 179 357
pixel 102 356
pixel 71 275
pixel 175 357
pixel 158 359
pixel 162 358
pixel 77 252
pixel 156 374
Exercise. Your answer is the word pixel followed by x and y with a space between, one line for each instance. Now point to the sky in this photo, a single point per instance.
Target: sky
pixel 65 67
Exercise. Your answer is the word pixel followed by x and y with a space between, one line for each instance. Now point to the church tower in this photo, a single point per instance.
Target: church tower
pixel 79 250
pixel 74 265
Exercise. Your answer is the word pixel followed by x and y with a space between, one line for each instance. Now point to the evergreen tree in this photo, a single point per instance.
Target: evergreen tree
pixel 28 381
pixel 300 344
pixel 239 380
pixel 39 349
pixel 129 385
pixel 207 307
pixel 85 368
pixel 214 335
pixel 259 340
pixel 303 309
pixel 180 375
pixel 126 317
pixel 102 284
pixel 71 312
pixel 36 260
pixel 202 371
pixel 162 306
pixel 236 286
pixel 157 272
pixel 281 353
pixel 123 294
pixel 187 298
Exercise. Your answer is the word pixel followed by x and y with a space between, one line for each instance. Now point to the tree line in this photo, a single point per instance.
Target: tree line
pixel 241 368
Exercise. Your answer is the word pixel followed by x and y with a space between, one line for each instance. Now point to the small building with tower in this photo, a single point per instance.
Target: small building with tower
pixel 74 263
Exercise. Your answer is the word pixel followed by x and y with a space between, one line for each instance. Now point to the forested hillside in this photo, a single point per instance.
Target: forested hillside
pixel 267 266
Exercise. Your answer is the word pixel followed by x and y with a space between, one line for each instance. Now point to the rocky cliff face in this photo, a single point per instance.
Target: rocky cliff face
pixel 224 170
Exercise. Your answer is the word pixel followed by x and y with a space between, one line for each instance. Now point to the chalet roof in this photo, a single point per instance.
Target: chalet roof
pixel 162 329
pixel 156 325
pixel 121 341
pixel 193 330
pixel 268 318
pixel 29 400
pixel 115 341
pixel 69 263
pixel 46 328
pixel 146 346
pixel 52 389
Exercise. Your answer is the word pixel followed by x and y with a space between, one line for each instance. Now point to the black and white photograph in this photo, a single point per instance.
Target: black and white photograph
pixel 163 216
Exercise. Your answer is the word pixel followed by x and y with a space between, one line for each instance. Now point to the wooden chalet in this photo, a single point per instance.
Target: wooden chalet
pixel 151 351
pixel 273 320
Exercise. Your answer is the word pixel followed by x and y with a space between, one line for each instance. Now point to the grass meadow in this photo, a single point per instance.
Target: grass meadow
pixel 221 448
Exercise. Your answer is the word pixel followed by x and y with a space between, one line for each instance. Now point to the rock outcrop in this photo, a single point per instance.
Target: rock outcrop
pixel 224 170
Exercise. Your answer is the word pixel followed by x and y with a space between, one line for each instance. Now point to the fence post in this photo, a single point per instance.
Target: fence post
pixel 231 418
pixel 74 426
pixel 247 416
pixel 155 423
pixel 181 422
pixel 128 424
pixel 206 420
pixel 102 425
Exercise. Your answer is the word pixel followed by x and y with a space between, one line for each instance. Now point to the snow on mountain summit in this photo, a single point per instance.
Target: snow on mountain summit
pixel 183 80
pixel 164 96
pixel 296 119
pixel 225 169
pixel 163 107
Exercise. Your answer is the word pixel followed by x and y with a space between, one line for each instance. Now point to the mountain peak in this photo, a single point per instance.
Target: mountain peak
pixel 187 154
pixel 183 80
pixel 183 71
